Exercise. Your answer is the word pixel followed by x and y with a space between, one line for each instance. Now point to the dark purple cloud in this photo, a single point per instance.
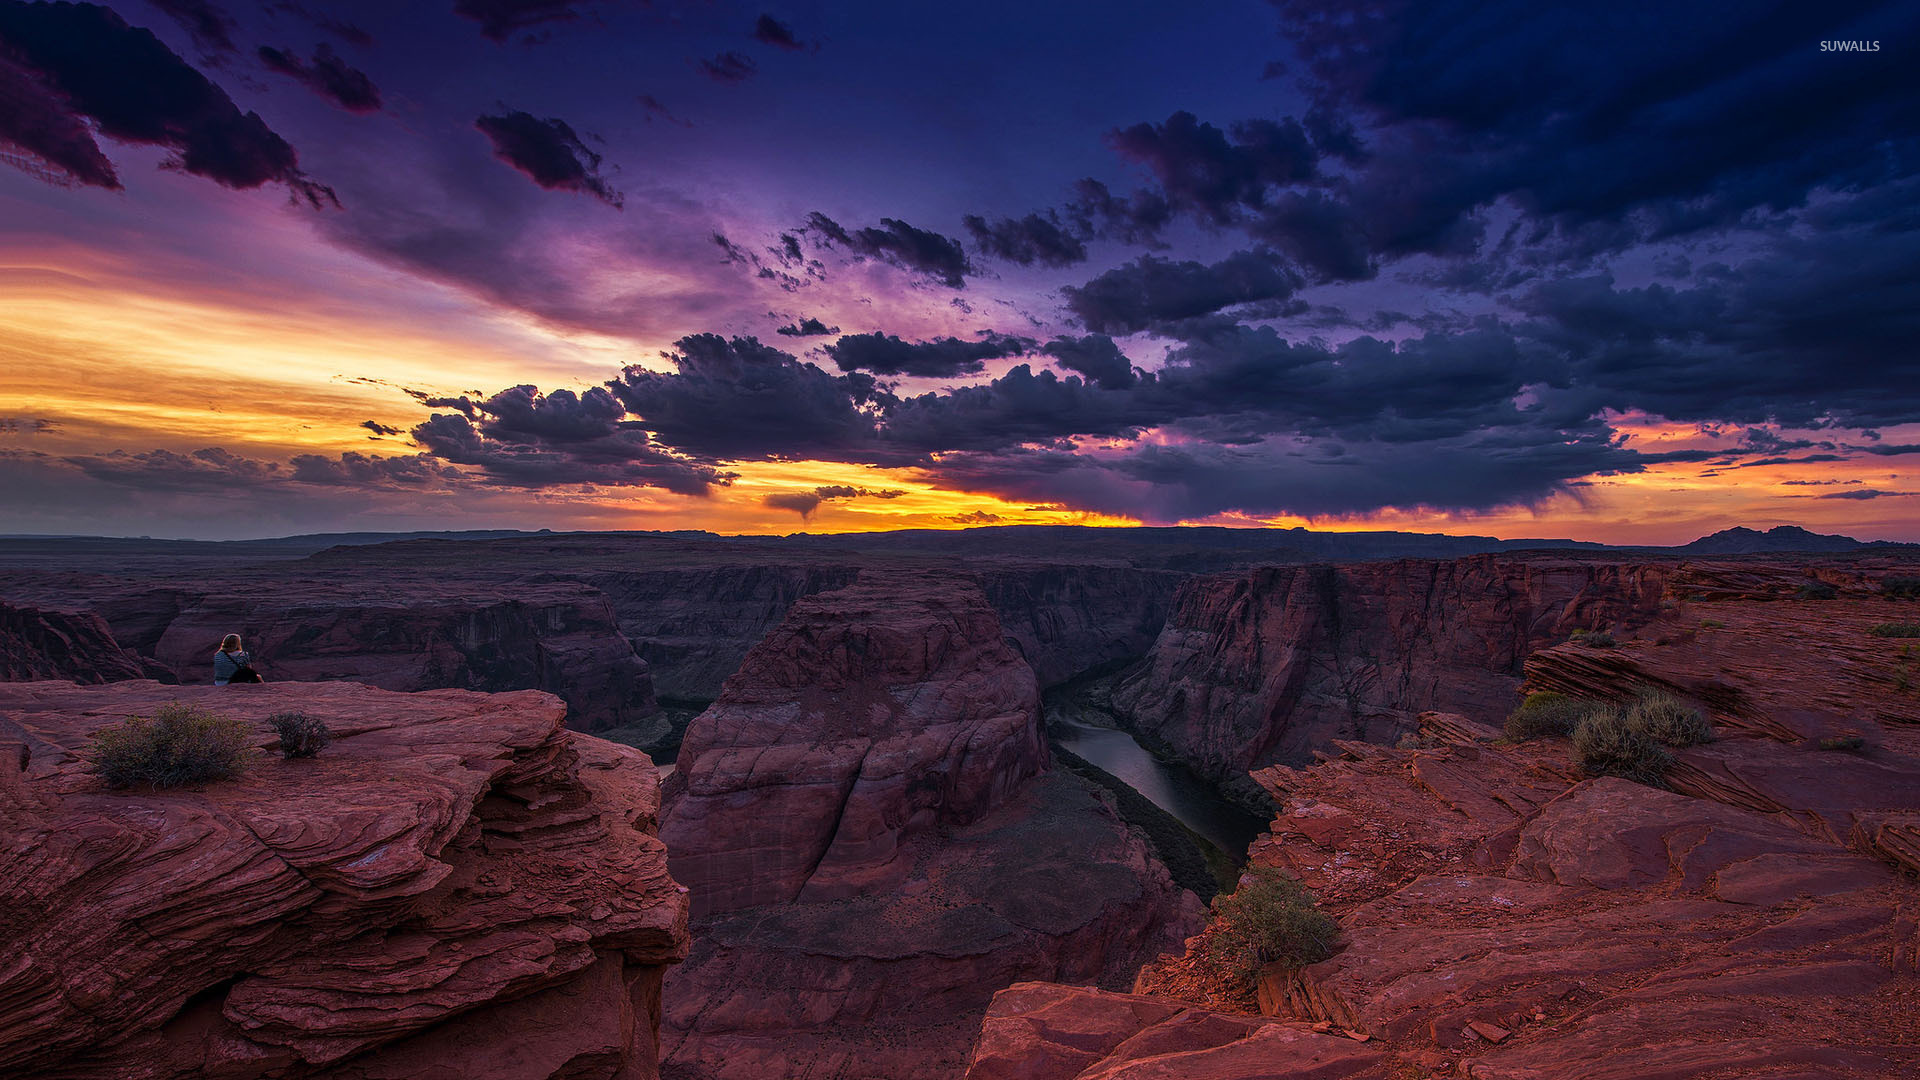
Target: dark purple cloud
pixel 327 75
pixel 350 33
pixel 1151 292
pixel 738 399
pixel 208 23
pixel 1037 238
pixel 501 19
pixel 378 428
pixel 549 153
pixel 941 358
pixel 1201 169
pixel 67 68
pixel 768 30
pixel 1095 357
pixel 807 327
pixel 626 457
pixel 729 67
pixel 926 253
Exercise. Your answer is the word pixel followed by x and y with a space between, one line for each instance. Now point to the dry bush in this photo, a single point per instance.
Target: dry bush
pixel 1270 918
pixel 1668 720
pixel 180 744
pixel 1546 713
pixel 1606 744
pixel 301 736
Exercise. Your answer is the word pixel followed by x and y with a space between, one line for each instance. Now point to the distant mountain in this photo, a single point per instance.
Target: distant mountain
pixel 1740 540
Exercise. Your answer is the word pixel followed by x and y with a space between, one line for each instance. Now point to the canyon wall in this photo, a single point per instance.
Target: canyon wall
pixel 75 646
pixel 874 845
pixel 457 886
pixel 1270 665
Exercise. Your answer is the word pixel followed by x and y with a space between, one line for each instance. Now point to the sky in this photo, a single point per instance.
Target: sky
pixel 1613 271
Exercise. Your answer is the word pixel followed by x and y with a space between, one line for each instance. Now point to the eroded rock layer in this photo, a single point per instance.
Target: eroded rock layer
pixel 874 848
pixel 1267 666
pixel 455 887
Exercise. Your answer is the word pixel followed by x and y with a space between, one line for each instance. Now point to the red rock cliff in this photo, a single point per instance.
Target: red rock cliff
pixel 455 887
pixel 1270 665
pixel 874 849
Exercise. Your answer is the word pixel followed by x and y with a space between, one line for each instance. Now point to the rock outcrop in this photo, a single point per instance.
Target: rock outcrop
pixel 73 646
pixel 1506 917
pixel 1271 665
pixel 457 886
pixel 874 849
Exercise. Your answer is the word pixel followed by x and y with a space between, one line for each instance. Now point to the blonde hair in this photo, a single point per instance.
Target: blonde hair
pixel 230 643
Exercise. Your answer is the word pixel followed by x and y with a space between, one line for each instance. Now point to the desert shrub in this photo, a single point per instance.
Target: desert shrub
pixel 300 735
pixel 1896 629
pixel 1597 639
pixel 1712 624
pixel 179 744
pixel 1270 918
pixel 1605 744
pixel 1843 742
pixel 1668 720
pixel 1546 713
pixel 1816 590
pixel 1901 588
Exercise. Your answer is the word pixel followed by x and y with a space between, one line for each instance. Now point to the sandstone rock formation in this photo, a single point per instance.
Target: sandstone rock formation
pixel 74 646
pixel 456 887
pixel 1508 918
pixel 873 848
pixel 1270 665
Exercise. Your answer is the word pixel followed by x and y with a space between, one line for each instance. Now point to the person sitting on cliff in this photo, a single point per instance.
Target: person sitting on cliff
pixel 232 664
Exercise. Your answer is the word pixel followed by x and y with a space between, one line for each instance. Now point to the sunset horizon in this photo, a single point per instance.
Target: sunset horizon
pixel 610 266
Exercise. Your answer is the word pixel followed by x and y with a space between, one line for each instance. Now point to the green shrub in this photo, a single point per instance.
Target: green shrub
pixel 1712 624
pixel 1816 590
pixel 1547 713
pixel 1595 639
pixel 1900 588
pixel 1896 629
pixel 180 744
pixel 1668 720
pixel 1843 742
pixel 301 736
pixel 1270 918
pixel 1605 744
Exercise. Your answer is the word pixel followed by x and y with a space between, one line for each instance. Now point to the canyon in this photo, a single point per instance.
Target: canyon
pixel 866 861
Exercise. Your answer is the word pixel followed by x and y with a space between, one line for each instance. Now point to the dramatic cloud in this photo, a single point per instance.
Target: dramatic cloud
pixel 739 400
pixel 549 153
pixel 351 470
pixel 1036 238
pixel 768 30
pixel 378 428
pixel 927 253
pixel 1096 357
pixel 807 327
pixel 212 469
pixel 1150 291
pixel 70 69
pixel 941 358
pixel 729 67
pixel 624 457
pixel 328 76
pixel 1200 169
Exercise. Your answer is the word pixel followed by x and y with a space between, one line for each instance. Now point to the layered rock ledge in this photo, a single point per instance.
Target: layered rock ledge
pixel 456 887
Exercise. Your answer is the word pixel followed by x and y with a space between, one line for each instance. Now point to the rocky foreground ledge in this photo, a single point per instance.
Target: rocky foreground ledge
pixel 456 887
pixel 1508 918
